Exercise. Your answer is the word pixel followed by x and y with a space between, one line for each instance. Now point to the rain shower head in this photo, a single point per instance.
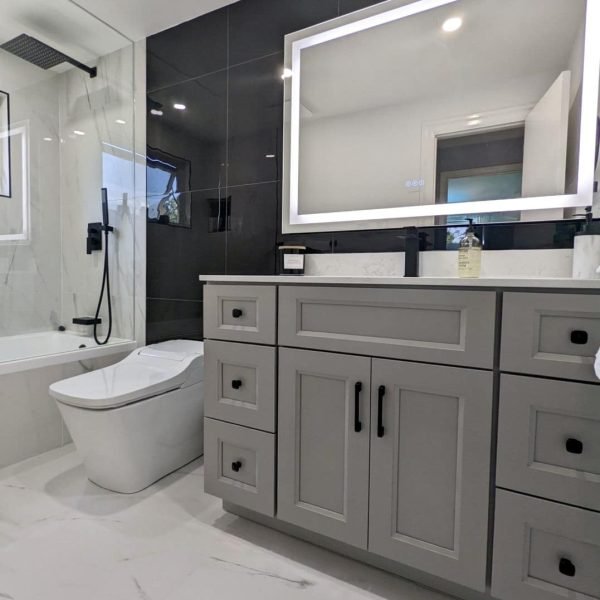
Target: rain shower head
pixel 41 55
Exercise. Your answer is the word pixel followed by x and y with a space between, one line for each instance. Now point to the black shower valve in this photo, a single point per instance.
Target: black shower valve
pixel 94 237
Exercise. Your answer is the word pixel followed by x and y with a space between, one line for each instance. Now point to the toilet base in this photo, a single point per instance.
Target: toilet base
pixel 127 449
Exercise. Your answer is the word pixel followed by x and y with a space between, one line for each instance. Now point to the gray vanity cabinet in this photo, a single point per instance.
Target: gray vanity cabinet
pixel 430 458
pixel 323 443
pixel 366 415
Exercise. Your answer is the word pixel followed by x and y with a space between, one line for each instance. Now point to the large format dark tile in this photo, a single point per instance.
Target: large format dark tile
pixel 251 242
pixel 347 6
pixel 173 319
pixel 316 243
pixel 198 133
pixel 381 240
pixel 255 121
pixel 257 27
pixel 188 50
pixel 177 255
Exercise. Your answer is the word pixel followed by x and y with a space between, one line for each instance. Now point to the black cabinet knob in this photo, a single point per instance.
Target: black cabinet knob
pixel 574 446
pixel 236 384
pixel 236 466
pixel 566 567
pixel 578 336
pixel 236 313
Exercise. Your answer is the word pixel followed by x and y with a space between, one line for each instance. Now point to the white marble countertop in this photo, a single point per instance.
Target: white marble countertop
pixel 483 282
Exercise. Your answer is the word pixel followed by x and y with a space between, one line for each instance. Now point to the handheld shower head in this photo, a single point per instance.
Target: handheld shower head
pixel 41 55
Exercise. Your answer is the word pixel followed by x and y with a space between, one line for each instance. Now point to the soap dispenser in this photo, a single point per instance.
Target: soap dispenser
pixel 469 254
pixel 586 249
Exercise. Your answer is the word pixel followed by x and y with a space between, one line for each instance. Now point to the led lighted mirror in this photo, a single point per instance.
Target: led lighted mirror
pixel 14 209
pixel 5 182
pixel 431 111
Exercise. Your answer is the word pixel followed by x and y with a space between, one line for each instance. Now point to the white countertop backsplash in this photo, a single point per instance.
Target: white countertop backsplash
pixel 500 268
pixel 494 264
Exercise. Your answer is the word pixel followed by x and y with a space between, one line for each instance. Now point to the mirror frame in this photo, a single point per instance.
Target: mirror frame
pixel 385 218
pixel 5 158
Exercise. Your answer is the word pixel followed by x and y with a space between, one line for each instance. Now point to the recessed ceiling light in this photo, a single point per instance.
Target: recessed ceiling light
pixel 121 122
pixel 287 73
pixel 156 112
pixel 474 122
pixel 178 106
pixel 452 24
pixel 474 117
pixel 77 132
pixel 47 139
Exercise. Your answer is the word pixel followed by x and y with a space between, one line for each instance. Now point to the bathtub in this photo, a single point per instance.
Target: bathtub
pixel 30 422
pixel 36 350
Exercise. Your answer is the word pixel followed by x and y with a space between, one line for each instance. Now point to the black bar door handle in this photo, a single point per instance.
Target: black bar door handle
pixel 380 395
pixel 566 567
pixel 236 384
pixel 357 391
pixel 236 313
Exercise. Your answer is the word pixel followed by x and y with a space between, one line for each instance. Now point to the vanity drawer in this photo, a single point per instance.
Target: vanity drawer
pixel 439 326
pixel 549 439
pixel 544 550
pixel 551 334
pixel 240 313
pixel 239 384
pixel 239 465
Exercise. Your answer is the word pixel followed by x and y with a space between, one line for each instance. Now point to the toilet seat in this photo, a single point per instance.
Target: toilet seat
pixel 145 373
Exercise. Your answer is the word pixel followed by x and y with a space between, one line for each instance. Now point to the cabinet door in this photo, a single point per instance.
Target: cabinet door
pixel 430 463
pixel 323 441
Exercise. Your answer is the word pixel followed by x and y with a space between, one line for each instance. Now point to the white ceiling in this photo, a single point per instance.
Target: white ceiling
pixel 86 29
pixel 138 19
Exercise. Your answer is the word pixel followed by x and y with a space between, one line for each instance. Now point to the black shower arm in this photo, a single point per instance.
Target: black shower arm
pixel 91 71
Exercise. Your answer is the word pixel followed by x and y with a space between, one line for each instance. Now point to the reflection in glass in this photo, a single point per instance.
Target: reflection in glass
pixel 5 171
pixel 167 180
pixel 375 104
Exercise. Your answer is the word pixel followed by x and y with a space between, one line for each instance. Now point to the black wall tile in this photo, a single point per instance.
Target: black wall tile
pixel 177 255
pixel 316 243
pixel 252 240
pixel 198 133
pixel 188 50
pixel 173 319
pixel 255 121
pixel 257 27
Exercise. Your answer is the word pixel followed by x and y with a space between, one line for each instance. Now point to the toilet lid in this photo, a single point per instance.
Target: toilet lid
pixel 145 373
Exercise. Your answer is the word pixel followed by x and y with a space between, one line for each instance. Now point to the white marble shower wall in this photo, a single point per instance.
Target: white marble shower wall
pixel 98 150
pixel 30 276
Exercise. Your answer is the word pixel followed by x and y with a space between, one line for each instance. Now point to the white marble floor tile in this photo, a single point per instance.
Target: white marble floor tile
pixel 63 538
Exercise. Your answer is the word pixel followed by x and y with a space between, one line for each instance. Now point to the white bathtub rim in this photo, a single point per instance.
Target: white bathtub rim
pixel 59 358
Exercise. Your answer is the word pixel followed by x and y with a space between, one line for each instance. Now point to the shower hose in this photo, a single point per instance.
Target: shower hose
pixel 105 285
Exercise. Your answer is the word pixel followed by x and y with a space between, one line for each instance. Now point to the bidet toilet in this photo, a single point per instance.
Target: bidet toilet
pixel 140 419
